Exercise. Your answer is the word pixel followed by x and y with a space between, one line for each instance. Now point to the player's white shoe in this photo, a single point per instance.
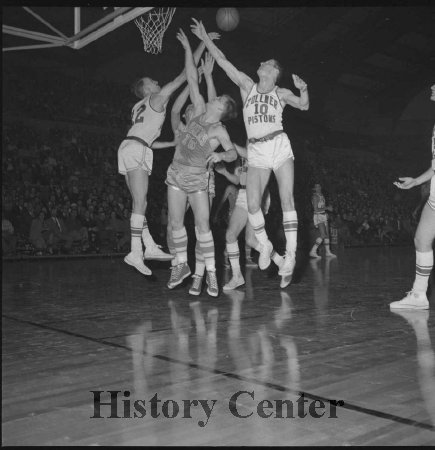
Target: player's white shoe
pixel 264 258
pixel 234 283
pixel 289 264
pixel 154 251
pixel 413 300
pixel 135 260
pixel 285 280
pixel 330 255
pixel 314 254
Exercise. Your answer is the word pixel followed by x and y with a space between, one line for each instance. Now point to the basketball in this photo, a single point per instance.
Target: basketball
pixel 227 19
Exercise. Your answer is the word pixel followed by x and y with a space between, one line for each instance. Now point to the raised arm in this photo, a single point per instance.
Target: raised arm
pixel 288 98
pixel 207 65
pixel 177 107
pixel 242 80
pixel 192 74
pixel 161 99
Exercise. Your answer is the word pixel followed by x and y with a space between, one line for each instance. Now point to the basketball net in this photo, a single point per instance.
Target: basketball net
pixel 152 27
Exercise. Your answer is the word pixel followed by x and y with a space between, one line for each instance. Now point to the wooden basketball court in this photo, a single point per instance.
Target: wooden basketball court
pixel 90 343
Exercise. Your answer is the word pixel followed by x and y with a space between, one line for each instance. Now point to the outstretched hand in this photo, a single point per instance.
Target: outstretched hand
pixel 198 29
pixel 207 64
pixel 405 183
pixel 214 36
pixel 299 82
pixel 181 36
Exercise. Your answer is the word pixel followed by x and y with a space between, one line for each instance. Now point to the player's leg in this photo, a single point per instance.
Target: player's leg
pixel 257 179
pixel 324 233
pixel 238 220
pixel 177 199
pixel 201 211
pixel 424 237
pixel 137 183
pixel 319 239
pixel 170 242
pixel 285 179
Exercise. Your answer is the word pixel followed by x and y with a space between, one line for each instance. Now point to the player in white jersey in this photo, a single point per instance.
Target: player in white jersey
pixel 424 237
pixel 269 147
pixel 320 219
pixel 239 220
pixel 135 157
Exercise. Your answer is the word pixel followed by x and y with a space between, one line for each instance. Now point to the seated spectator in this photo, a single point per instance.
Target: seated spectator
pixel 90 223
pixel 103 228
pixel 38 233
pixel 56 232
pixel 75 231
pixel 9 240
pixel 120 229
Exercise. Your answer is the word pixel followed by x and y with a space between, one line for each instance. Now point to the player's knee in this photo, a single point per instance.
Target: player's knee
pixel 175 224
pixel 422 243
pixel 203 226
pixel 287 203
pixel 253 207
pixel 230 236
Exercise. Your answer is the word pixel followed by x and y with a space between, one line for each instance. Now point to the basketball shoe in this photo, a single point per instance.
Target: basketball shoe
pixel 265 252
pixel 212 284
pixel 178 274
pixel 135 260
pixel 413 300
pixel 236 281
pixel 154 252
pixel 196 287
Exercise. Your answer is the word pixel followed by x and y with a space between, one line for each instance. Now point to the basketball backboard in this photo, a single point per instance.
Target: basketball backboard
pixel 74 27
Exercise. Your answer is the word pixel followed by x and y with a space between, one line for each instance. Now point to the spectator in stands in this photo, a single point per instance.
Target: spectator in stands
pixel 75 231
pixel 9 240
pixel 38 233
pixel 56 232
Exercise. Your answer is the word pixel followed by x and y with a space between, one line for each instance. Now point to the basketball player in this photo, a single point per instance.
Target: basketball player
pixel 135 156
pixel 320 222
pixel 424 237
pixel 269 147
pixel 187 177
pixel 238 221
pixel 178 126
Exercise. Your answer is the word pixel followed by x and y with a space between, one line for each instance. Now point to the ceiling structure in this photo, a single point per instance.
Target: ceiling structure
pixel 380 57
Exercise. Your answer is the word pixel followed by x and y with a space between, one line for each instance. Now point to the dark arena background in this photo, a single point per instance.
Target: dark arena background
pixel 95 353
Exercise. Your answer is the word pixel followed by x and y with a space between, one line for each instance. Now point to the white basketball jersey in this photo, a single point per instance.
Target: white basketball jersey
pixel 433 149
pixel 262 113
pixel 147 123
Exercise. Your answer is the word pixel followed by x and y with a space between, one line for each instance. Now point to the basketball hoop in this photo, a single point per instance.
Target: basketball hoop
pixel 152 27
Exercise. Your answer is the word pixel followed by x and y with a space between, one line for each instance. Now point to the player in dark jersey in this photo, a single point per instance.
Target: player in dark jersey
pixel 187 176
pixel 320 219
